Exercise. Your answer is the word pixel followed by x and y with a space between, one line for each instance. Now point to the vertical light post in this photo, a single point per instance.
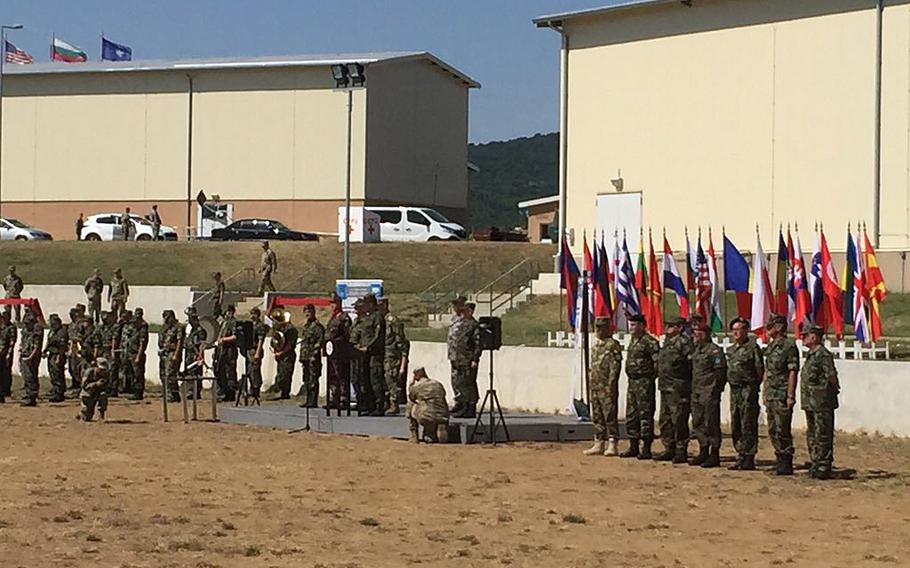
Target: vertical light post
pixel 3 29
pixel 348 77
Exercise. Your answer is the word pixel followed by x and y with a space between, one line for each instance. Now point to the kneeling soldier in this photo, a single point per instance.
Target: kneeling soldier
pixel 94 390
pixel 427 408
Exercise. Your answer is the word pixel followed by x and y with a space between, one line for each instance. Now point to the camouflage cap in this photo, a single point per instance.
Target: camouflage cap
pixel 737 320
pixel 168 314
pixel 602 321
pixel 776 319
pixel 80 307
pixel 637 318
pixel 816 330
pixel 102 363
pixel 675 321
pixel 190 311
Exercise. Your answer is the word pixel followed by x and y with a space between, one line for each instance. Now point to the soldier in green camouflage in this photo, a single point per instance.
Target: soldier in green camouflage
pixel 338 357
pixel 94 288
pixel 745 369
pixel 194 350
pixel 253 355
pixel 117 294
pixel 78 331
pixel 285 358
pixel 606 363
pixel 94 390
pixel 818 395
pixel 170 348
pixel 226 356
pixel 101 340
pixel 136 341
pixel 369 342
pixel 8 336
pixel 13 285
pixel 397 348
pixel 122 378
pixel 641 370
pixel 674 380
pixel 709 378
pixel 779 394
pixel 55 353
pixel 464 356
pixel 30 359
pixel 312 336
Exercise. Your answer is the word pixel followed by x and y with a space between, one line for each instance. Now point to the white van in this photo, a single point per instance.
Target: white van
pixel 416 224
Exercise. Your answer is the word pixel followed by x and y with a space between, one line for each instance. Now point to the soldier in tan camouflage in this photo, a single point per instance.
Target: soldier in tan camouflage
pixel 427 408
pixel 8 336
pixel 94 288
pixel 268 264
pixel 606 362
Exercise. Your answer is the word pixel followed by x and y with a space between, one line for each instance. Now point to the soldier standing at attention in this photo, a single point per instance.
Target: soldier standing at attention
pixel 155 220
pixel 55 352
pixel 94 287
pixel 126 224
pixel 118 293
pixel 170 347
pixel 397 347
pixel 254 353
pixel 312 336
pixel 194 348
pixel 709 378
pixel 338 350
pixel 94 390
pixel 427 408
pixel 137 342
pixel 30 358
pixel 217 293
pixel 77 332
pixel 121 370
pixel 606 362
pixel 368 337
pixel 102 337
pixel 285 358
pixel 8 335
pixel 13 286
pixel 779 395
pixel 745 368
pixel 226 371
pixel 674 380
pixel 641 370
pixel 268 264
pixel 464 354
pixel 818 395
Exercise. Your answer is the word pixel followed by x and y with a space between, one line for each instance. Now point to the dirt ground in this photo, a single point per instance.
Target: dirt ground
pixel 133 492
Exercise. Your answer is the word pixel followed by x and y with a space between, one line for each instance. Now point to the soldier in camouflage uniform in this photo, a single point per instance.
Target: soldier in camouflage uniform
pixel 170 348
pixel 709 378
pixel 464 356
pixel 253 355
pixel 312 336
pixel 427 408
pixel 136 341
pixel 217 293
pixel 745 369
pixel 78 331
pixel 13 286
pixel 641 370
pixel 94 288
pixel 55 352
pixel 194 349
pixel 268 264
pixel 30 358
pixel 397 347
pixel 368 337
pixel 818 394
pixel 674 380
pixel 122 378
pixel 606 362
pixel 100 342
pixel 117 294
pixel 226 355
pixel 8 336
pixel 94 390
pixel 338 351
pixel 779 395
pixel 285 358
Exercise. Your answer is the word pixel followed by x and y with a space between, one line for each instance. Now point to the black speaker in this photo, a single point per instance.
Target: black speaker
pixel 244 333
pixel 490 333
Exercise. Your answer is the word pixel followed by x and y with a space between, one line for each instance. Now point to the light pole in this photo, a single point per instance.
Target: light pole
pixel 3 29
pixel 348 77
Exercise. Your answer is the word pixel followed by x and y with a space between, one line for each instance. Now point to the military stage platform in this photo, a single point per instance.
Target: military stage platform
pixel 521 427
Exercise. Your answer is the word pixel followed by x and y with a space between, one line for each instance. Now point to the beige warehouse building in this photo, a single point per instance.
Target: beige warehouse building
pixel 268 135
pixel 737 112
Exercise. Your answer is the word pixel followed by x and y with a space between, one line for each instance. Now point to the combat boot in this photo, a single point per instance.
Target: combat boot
pixel 681 456
pixel 701 457
pixel 595 450
pixel 632 451
pixel 28 402
pixel 784 465
pixel 457 410
pixel 611 448
pixel 470 410
pixel 713 459
pixel 738 465
pixel 748 463
pixel 414 439
pixel 442 433
pixel 645 450
pixel 665 456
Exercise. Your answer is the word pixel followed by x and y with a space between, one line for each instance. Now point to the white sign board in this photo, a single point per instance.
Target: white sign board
pixel 618 212
pixel 351 290
pixel 364 225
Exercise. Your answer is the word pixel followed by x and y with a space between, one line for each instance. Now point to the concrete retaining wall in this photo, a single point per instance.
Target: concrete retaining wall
pixel 153 299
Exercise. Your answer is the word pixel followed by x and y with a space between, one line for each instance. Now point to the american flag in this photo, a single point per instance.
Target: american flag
pixel 13 54
pixel 702 285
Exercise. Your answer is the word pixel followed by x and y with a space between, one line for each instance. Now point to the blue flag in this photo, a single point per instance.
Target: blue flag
pixel 111 51
pixel 736 269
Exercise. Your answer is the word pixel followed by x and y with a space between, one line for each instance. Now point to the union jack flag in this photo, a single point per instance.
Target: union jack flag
pixel 12 54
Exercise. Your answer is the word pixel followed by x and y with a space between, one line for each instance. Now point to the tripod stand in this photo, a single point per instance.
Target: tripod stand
pixel 494 409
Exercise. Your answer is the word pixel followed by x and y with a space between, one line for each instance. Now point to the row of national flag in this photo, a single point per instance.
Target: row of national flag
pixel 68 53
pixel 805 293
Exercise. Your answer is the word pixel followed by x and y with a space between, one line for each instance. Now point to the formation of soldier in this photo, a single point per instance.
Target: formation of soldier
pixel 692 374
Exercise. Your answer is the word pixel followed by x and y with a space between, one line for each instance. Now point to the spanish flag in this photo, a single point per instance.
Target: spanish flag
pixel 875 288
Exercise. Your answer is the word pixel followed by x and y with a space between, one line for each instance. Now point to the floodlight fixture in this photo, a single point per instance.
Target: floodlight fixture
pixel 355 71
pixel 340 74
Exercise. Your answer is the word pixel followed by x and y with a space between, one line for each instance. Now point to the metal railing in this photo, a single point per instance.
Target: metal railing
pixel 435 297
pixel 248 271
pixel 503 291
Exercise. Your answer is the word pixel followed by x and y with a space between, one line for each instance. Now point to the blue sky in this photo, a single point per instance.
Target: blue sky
pixel 491 40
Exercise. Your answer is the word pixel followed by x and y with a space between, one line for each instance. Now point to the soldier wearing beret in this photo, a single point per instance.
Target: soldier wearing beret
pixel 745 369
pixel 606 361
pixel 641 370
pixel 818 394
pixel 674 380
pixel 338 351
pixel 709 377
pixel 779 394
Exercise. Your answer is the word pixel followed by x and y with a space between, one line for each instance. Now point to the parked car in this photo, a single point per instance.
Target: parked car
pixel 15 230
pixel 259 229
pixel 106 227
pixel 416 224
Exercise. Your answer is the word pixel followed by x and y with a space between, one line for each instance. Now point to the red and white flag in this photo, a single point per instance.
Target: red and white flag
pixel 762 293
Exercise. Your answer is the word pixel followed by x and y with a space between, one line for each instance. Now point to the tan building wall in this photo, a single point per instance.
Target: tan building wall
pixel 540 219
pixel 740 112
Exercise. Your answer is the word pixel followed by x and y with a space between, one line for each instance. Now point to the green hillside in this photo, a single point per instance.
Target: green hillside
pixel 511 171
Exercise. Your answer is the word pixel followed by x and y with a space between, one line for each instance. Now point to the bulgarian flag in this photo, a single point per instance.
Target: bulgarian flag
pixel 67 52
